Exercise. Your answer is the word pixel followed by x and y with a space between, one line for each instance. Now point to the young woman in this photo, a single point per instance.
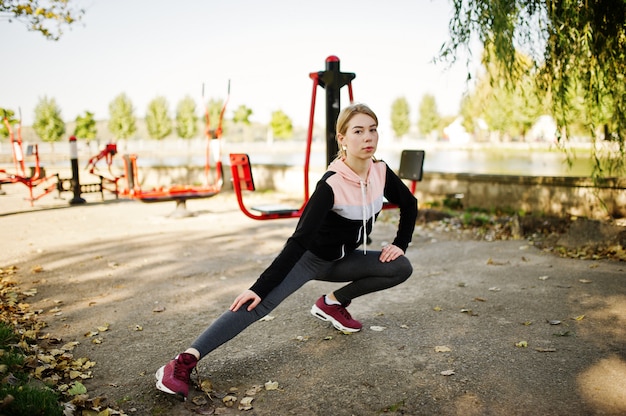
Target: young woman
pixel 325 246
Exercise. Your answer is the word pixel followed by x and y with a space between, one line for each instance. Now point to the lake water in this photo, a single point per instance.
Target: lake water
pixel 510 159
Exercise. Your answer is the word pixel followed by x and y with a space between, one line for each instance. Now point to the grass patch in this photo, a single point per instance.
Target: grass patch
pixel 18 394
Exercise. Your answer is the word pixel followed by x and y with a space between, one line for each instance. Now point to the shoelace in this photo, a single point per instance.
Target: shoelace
pixel 181 372
pixel 344 312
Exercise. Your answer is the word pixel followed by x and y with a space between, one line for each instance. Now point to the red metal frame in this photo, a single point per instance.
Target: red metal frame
pixel 242 178
pixel 109 180
pixel 333 80
pixel 20 176
pixel 241 169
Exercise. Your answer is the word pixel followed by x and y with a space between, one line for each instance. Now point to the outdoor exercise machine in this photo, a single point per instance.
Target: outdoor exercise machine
pixel 35 177
pixel 128 184
pixel 332 80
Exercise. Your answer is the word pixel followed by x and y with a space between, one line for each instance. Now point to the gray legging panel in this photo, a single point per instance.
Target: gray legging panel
pixel 365 272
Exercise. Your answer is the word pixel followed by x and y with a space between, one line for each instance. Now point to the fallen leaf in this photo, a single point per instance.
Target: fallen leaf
pixel 206 386
pixel 229 400
pixel 554 322
pixel 246 403
pixel 199 400
pixel 544 277
pixel 480 300
pixel 469 312
pixel 77 388
pixel 378 328
pixel 585 280
pixel 159 309
pixel 539 349
pixel 447 373
pixel 494 289
pixel 37 269
pixel 437 308
pixel 267 318
pixel 579 318
pixel 522 344
pixel 271 385
pixel 442 348
pixel 70 346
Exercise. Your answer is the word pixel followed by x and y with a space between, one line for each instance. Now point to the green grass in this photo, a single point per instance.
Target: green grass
pixel 18 395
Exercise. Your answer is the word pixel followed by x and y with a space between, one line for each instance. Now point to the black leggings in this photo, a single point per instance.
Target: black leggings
pixel 365 272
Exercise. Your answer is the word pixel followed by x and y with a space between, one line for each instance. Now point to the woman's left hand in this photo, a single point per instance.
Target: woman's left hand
pixel 390 253
pixel 243 298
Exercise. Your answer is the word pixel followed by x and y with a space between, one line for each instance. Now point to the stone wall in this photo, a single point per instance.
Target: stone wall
pixel 560 196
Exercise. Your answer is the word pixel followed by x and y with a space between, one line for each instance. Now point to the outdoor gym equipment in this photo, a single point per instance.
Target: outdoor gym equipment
pixel 108 179
pixel 332 79
pixel 36 176
pixel 179 193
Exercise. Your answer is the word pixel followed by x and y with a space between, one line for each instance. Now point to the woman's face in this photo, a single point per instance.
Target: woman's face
pixel 361 138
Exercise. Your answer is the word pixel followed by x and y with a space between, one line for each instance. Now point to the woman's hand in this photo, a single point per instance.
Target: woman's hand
pixel 390 253
pixel 244 298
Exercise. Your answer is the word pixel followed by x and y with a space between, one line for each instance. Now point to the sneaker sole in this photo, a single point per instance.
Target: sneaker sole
pixel 320 314
pixel 160 386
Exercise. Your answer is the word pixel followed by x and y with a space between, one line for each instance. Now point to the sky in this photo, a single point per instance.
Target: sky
pixel 266 49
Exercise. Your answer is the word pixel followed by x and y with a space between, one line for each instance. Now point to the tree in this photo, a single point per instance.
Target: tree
pixel 429 119
pixel 215 109
pixel 242 115
pixel 186 118
pixel 510 112
pixel 45 16
pixel 48 123
pixel 400 111
pixel 10 116
pixel 570 43
pixel 85 127
pixel 282 127
pixel 158 121
pixel 122 123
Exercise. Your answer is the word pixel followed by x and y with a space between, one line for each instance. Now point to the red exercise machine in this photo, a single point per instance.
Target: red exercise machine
pixel 332 79
pixel 36 177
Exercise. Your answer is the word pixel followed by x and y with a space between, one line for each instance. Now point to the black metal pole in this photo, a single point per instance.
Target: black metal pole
pixel 332 79
pixel 75 179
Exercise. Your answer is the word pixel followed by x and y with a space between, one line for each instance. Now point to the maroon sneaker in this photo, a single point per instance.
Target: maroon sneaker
pixel 174 377
pixel 335 314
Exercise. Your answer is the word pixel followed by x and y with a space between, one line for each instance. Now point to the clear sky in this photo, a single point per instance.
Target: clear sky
pixel 267 49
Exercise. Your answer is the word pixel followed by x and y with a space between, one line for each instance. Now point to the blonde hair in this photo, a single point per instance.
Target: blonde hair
pixel 344 118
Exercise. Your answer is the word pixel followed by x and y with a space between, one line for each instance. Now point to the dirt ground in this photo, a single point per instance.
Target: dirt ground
pixel 481 328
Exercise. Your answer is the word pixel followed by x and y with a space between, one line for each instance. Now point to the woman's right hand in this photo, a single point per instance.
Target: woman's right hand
pixel 245 297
